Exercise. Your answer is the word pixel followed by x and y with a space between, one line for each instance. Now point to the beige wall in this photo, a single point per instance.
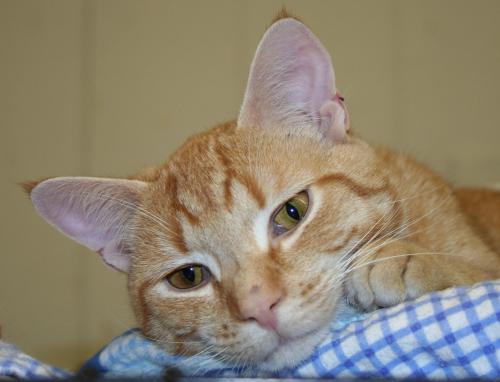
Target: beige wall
pixel 105 87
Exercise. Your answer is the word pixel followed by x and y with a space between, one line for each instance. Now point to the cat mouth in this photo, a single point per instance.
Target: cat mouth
pixel 284 340
pixel 289 351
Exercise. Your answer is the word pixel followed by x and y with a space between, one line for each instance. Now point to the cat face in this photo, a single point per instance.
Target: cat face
pixel 266 293
pixel 237 245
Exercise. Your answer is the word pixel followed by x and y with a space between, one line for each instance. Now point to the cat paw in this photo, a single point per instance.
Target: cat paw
pixel 388 275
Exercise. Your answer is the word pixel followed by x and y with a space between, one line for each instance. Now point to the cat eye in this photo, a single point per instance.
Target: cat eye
pixel 188 277
pixel 290 213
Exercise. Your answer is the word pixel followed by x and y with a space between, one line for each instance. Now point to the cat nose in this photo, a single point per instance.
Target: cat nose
pixel 259 305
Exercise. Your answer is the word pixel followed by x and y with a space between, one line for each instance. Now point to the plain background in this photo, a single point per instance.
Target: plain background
pixel 103 88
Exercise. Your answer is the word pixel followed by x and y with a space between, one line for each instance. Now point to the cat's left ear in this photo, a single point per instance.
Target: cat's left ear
pixel 95 212
pixel 292 85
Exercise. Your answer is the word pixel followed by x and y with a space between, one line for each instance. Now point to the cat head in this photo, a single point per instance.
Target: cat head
pixel 236 246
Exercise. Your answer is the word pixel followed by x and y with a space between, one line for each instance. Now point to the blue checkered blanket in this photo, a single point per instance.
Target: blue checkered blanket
pixel 16 364
pixel 454 334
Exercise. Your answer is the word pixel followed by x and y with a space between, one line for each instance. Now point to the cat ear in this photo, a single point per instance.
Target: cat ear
pixel 292 85
pixel 94 212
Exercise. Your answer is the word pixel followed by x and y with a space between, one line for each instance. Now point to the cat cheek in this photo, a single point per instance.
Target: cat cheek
pixel 310 308
pixel 255 342
pixel 226 335
pixel 307 319
pixel 191 308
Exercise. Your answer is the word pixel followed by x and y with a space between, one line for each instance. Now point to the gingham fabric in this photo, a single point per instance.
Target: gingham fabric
pixel 454 334
pixel 17 365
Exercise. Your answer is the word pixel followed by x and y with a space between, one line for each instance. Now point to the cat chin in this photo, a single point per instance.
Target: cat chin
pixel 291 352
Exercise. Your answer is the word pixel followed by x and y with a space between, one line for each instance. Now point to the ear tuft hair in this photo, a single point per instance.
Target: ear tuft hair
pixel 30 185
pixel 283 13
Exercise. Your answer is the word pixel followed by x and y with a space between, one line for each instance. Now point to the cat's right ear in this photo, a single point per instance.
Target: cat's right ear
pixel 95 212
pixel 292 85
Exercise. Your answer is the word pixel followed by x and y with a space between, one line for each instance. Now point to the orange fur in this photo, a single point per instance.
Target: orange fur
pixel 351 177
pixel 379 229
pixel 482 207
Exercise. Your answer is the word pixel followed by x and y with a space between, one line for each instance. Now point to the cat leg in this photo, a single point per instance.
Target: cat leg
pixel 385 274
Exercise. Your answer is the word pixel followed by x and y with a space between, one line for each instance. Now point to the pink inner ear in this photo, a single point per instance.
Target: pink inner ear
pixel 292 84
pixel 94 212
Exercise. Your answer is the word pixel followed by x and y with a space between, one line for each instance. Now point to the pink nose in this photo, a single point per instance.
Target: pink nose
pixel 259 305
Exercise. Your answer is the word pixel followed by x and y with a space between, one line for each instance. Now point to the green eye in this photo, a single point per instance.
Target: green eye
pixel 291 213
pixel 189 277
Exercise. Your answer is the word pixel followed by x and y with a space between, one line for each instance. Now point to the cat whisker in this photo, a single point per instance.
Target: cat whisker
pixel 363 253
pixel 237 361
pixel 212 356
pixel 355 248
pixel 375 261
pixel 429 191
pixel 135 207
pixel 392 215
pixel 229 360
pixel 246 362
pixel 395 233
pixel 366 251
pixel 389 216
pixel 426 215
pixel 397 237
pixel 203 352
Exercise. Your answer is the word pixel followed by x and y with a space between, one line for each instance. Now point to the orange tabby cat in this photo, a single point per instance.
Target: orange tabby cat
pixel 250 238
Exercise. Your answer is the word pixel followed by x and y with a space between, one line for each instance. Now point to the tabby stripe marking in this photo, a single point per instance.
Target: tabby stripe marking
pixel 347 239
pixel 176 203
pixel 229 175
pixel 246 180
pixel 177 233
pixel 352 185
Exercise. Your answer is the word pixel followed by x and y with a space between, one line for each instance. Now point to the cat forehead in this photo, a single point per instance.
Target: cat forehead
pixel 231 152
pixel 235 170
pixel 217 183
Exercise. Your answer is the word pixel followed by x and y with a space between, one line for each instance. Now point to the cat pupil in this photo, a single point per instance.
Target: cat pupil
pixel 292 211
pixel 189 274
